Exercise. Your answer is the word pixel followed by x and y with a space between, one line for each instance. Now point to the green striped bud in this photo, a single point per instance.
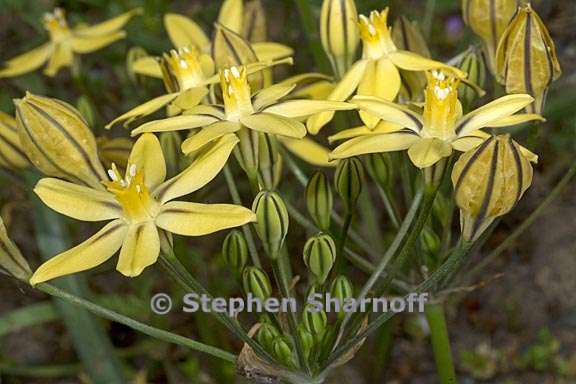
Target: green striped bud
pixel 430 241
pixel 269 162
pixel 256 282
pixel 171 144
pixel 473 64
pixel 315 321
pixel 379 166
pixel 235 250
pixel 320 255
pixel 266 335
pixel 348 181
pixel 272 221
pixel 341 289
pixel 283 352
pixel 488 182
pixel 319 200
pixel 11 154
pixel 339 33
pixel 57 140
pixel 306 340
pixel 11 260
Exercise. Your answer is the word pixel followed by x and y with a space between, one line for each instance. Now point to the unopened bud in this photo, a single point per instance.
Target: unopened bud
pixel 319 200
pixel 269 162
pixel 256 282
pixel 11 260
pixel 320 255
pixel 266 335
pixel 315 321
pixel 114 151
pixel 283 352
pixel 57 140
pixel 348 181
pixel 379 166
pixel 11 154
pixel 272 221
pixel 473 64
pixel 306 340
pixel 235 250
pixel 341 289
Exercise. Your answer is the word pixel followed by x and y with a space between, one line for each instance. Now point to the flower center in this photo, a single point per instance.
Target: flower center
pixel 441 106
pixel 182 69
pixel 56 25
pixel 132 193
pixel 376 35
pixel 236 93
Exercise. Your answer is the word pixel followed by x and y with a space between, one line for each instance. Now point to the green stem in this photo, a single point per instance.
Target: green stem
pixel 525 224
pixel 136 325
pixel 390 208
pixel 440 342
pixel 342 242
pixel 245 228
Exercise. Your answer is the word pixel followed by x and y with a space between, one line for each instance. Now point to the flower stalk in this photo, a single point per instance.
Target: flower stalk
pixel 440 342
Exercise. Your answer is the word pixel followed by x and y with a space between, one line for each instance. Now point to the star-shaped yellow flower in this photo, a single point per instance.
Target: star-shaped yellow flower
pixel 139 205
pixel 65 42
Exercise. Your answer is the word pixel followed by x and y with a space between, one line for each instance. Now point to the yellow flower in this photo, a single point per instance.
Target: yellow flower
pixel 244 21
pixel 65 42
pixel 11 154
pixel 242 111
pixel 139 205
pixel 526 59
pixel 488 19
pixel 489 181
pixel 440 128
pixel 376 74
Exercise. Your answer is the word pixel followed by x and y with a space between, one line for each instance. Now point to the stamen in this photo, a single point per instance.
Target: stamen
pixel 371 30
pixel 235 72
pixel 112 175
pixel 139 188
pixel 132 172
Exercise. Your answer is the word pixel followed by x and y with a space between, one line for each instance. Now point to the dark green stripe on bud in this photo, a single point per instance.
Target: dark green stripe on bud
pixel 348 181
pixel 341 289
pixel 319 200
pixel 283 352
pixel 379 166
pixel 266 335
pixel 473 64
pixel 269 161
pixel 320 255
pixel 272 221
pixel 315 321
pixel 256 282
pixel 306 340
pixel 235 250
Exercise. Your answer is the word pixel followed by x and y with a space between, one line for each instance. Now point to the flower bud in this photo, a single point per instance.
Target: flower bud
pixel 255 30
pixel 171 144
pixel 319 200
pixel 306 340
pixel 315 321
pixel 341 289
pixel 235 250
pixel 488 19
pixel 57 140
pixel 526 58
pixel 138 55
pixel 114 151
pixel 379 167
pixel 339 33
pixel 473 64
pixel 256 282
pixel 11 154
pixel 269 161
pixel 489 180
pixel 320 255
pixel 272 221
pixel 348 181
pixel 11 260
pixel 282 351
pixel 430 241
pixel 266 335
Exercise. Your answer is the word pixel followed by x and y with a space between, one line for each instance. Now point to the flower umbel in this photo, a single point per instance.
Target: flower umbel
pixel 139 206
pixel 436 132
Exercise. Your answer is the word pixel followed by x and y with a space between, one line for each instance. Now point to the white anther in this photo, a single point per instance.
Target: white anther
pixel 235 72
pixel 112 175
pixel 138 188
pixel 132 171
pixel 371 30
pixel 183 64
pixel 441 93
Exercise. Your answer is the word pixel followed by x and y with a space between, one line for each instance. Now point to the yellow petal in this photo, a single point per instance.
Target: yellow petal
pixel 212 110
pixel 11 153
pixel 86 44
pixel 520 118
pixel 470 141
pixel 27 62
pixel 412 62
pixel 203 169
pixel 77 201
pixel 193 219
pixel 147 155
pixel 266 51
pixel 89 254
pixel 145 109
pixel 494 111
pixel 175 123
pixel 147 66
pixel 270 95
pixel 388 111
pixel 303 108
pixel 381 80
pixel 427 152
pixel 231 15
pixel 108 26
pixel 190 97
pixel 387 142
pixel 184 32
pixel 382 127
pixel 274 124
pixel 140 249
pixel 310 86
pixel 309 151
pixel 208 134
pixel 61 57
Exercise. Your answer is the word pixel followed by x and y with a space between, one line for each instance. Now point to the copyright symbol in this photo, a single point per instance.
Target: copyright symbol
pixel 161 303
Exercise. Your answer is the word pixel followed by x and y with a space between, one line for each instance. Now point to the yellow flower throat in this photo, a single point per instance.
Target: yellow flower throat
pixel 132 194
pixel 376 35
pixel 181 69
pixel 236 93
pixel 56 25
pixel 441 106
